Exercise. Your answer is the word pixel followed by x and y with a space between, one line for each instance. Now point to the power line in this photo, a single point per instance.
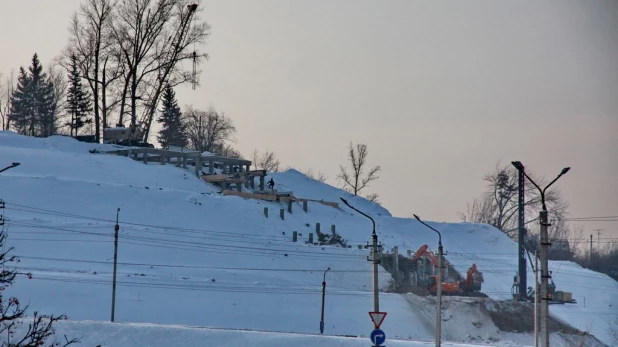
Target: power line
pixel 183 266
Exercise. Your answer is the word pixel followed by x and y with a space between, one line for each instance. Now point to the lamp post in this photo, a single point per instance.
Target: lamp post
pixel 439 284
pixel 374 257
pixel 545 276
pixel 323 295
pixel 521 235
pixel 10 166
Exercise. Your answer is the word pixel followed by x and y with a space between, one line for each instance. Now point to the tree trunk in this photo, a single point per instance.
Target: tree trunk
pixel 104 98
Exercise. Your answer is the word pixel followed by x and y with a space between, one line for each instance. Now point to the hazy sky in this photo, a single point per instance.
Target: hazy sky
pixel 440 91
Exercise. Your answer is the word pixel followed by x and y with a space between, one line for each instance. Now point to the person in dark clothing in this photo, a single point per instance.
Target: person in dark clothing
pixel 271 184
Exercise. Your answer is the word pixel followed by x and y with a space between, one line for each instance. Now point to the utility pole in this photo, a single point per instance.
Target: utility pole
pixel 545 276
pixel 375 261
pixel 599 247
pixel 323 296
pixel 536 298
pixel 116 228
pixel 544 279
pixel 439 298
pixel 590 254
pixel 438 283
pixel 598 238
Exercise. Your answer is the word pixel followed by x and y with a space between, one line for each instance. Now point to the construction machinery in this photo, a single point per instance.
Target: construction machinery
pixel 427 263
pixel 120 135
pixel 555 296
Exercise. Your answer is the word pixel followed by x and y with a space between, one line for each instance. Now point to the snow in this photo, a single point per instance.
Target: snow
pixel 93 333
pixel 190 256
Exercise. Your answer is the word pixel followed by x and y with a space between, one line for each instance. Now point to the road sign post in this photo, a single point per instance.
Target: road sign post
pixel 377 337
pixel 377 318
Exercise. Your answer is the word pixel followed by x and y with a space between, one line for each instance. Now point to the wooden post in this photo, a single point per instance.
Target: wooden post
pixel 305 205
pixel 262 183
pixel 211 166
pixel 294 236
pixel 144 156
pixel 332 230
pixel 317 228
pixel 290 206
pixel 266 212
pixel 282 213
pixel 184 161
pixel 198 165
pixel 252 182
pixel 163 158
pixel 311 238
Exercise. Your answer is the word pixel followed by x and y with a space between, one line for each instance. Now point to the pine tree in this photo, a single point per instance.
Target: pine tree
pixel 42 123
pixel 21 104
pixel 79 105
pixel 172 131
pixel 32 110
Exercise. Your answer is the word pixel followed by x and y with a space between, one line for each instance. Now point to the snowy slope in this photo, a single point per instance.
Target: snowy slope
pixel 190 256
pixel 94 333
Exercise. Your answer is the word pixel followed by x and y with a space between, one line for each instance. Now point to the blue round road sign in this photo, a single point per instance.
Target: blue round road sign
pixel 378 337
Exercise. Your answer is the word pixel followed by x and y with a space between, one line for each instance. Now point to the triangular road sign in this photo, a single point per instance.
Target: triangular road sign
pixel 377 318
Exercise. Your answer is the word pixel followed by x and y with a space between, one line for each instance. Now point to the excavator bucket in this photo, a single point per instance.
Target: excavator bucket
pixel 477 280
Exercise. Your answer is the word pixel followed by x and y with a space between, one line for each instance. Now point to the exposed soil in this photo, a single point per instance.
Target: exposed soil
pixel 515 316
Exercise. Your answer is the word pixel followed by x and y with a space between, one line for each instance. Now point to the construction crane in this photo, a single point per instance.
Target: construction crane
pixel 169 59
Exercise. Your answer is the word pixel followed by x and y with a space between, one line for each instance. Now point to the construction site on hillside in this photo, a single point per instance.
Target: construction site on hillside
pixel 233 175
pixel 417 273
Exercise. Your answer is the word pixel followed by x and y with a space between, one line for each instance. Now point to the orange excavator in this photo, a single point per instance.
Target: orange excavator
pixel 427 276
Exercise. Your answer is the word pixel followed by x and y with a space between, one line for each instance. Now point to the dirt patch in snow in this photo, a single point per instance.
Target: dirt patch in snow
pixel 488 321
pixel 517 317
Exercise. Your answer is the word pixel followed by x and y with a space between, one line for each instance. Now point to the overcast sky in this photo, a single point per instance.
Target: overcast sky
pixel 440 91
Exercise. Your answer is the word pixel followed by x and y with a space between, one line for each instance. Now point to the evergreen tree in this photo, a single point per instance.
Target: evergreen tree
pixel 42 123
pixel 21 104
pixel 32 110
pixel 172 131
pixel 78 100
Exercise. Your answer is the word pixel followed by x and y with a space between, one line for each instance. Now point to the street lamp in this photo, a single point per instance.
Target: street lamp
pixel 10 166
pixel 544 261
pixel 323 295
pixel 374 257
pixel 439 284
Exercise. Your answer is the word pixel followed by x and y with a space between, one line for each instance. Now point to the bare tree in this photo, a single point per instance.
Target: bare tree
pixel 154 37
pixel 226 150
pixel 354 181
pixel 267 161
pixel 319 176
pixel 498 205
pixel 207 129
pixel 57 77
pixel 7 86
pixel 91 43
pixel 41 330
pixel 374 197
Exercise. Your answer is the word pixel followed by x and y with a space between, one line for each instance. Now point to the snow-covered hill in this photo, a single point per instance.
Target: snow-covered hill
pixel 190 256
